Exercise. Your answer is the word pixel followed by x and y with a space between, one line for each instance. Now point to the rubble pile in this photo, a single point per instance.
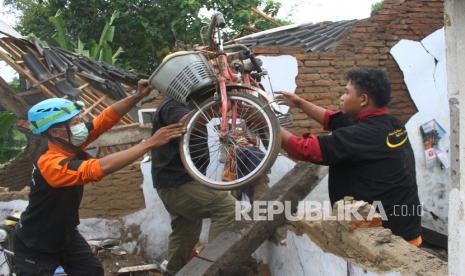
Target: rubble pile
pixel 367 244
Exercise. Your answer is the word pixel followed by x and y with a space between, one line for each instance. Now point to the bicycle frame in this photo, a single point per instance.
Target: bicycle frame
pixel 227 78
pixel 225 73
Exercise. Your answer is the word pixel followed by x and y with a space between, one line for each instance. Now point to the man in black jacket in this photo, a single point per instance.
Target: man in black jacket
pixel 368 151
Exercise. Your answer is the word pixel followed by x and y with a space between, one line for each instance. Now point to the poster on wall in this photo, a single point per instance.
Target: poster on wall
pixel 431 133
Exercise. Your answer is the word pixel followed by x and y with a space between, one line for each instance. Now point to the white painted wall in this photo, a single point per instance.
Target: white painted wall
pixel 454 20
pixel 424 66
pixel 302 257
pixel 282 71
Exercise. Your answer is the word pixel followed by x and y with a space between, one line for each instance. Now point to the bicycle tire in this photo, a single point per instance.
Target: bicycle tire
pixel 267 161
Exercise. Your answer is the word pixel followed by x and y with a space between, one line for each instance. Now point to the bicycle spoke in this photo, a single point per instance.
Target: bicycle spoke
pixel 258 129
pixel 205 163
pixel 200 150
pixel 251 161
pixel 262 107
pixel 255 118
pixel 203 143
pixel 200 156
pixel 247 145
pixel 245 165
pixel 203 113
pixel 258 157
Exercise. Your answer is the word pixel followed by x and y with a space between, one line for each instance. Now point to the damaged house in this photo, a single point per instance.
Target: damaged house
pixel 403 37
pixel 310 60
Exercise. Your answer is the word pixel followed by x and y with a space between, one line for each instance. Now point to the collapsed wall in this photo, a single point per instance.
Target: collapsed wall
pixel 346 246
pixel 329 249
pixel 18 175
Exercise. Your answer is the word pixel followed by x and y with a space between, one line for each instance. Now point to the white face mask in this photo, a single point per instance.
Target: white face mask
pixel 79 134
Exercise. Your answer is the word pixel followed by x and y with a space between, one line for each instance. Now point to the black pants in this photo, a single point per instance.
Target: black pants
pixel 76 259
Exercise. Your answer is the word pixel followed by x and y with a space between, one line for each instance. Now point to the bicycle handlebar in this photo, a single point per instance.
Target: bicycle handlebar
pixel 220 22
pixel 246 54
pixel 217 22
pixel 255 63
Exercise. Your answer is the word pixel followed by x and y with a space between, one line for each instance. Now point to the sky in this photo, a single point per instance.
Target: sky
pixel 296 11
pixel 304 11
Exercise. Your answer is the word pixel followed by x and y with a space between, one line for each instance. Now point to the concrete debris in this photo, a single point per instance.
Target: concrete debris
pixel 354 214
pixel 7 195
pixel 367 244
pixel 127 264
pixel 138 268
pixel 279 237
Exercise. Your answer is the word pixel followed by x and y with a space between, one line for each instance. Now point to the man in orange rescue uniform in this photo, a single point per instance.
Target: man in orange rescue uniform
pixel 46 236
pixel 368 152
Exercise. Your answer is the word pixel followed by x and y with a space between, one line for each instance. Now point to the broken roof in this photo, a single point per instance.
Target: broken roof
pixel 311 37
pixel 55 72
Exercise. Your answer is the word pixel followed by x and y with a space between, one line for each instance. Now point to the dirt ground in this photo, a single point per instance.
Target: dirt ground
pixel 439 252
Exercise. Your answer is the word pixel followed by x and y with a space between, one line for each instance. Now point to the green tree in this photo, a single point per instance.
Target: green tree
pixel 376 7
pixel 15 84
pixel 12 142
pixel 101 51
pixel 146 29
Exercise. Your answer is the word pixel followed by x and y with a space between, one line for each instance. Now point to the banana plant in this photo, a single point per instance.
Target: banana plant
pixel 100 51
pixel 7 120
pixel 61 36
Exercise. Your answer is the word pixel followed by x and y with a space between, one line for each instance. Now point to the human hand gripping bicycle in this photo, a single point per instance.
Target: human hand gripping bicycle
pixel 233 132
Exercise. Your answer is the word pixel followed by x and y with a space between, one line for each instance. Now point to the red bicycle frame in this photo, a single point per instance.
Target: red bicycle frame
pixel 226 76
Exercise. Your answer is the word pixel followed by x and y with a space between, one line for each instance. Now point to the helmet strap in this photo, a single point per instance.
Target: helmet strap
pixel 69 134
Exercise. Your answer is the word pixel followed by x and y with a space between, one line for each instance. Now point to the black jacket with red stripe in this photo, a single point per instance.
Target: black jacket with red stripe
pixel 370 159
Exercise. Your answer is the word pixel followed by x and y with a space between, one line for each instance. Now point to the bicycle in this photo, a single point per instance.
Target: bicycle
pixel 6 243
pixel 233 132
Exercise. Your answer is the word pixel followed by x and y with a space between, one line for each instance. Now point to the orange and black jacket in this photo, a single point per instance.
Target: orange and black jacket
pixel 56 190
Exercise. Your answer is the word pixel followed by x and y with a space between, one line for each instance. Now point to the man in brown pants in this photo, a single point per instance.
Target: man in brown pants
pixel 187 201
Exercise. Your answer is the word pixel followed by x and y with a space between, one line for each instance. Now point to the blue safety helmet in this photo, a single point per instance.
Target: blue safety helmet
pixel 52 111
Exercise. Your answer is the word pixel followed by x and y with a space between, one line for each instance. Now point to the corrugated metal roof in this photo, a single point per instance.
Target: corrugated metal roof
pixel 311 37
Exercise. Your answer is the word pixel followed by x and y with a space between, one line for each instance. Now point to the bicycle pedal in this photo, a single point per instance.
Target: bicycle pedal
pixel 285 119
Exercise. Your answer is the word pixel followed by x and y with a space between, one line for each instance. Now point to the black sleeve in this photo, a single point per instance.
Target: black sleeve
pixel 348 144
pixel 339 120
pixel 73 163
pixel 172 112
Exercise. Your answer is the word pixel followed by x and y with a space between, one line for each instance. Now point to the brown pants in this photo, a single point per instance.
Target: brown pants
pixel 188 204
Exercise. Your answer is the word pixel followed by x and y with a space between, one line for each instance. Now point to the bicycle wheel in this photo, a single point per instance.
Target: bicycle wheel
pixel 249 147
